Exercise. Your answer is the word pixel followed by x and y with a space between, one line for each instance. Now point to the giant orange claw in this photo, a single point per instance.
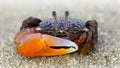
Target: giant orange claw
pixel 30 43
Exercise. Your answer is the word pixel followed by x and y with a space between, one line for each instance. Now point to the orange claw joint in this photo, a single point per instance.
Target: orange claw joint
pixel 30 43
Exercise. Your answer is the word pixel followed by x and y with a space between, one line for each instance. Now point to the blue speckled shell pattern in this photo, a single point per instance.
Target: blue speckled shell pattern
pixel 49 23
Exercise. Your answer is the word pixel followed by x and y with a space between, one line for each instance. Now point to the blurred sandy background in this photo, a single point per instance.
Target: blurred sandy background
pixel 106 12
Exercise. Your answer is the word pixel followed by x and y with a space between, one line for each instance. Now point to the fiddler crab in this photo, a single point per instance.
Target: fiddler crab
pixel 56 36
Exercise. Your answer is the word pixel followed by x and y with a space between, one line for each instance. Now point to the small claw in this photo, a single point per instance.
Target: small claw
pixel 37 44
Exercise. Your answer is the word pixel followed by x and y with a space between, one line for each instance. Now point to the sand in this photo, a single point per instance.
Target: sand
pixel 106 12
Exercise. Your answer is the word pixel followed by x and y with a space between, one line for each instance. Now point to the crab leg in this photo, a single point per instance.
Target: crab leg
pixel 92 26
pixel 30 22
pixel 81 39
pixel 88 44
pixel 92 36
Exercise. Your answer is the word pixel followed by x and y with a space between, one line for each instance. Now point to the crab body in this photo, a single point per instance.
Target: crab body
pixel 72 31
pixel 56 36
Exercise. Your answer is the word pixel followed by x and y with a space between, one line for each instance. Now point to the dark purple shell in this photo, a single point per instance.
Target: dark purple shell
pixel 72 23
pixel 75 27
